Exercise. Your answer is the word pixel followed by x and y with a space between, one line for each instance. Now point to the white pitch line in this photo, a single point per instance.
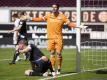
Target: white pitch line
pixel 23 58
pixel 58 76
pixel 7 59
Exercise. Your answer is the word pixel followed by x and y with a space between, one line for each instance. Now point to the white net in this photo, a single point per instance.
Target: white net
pixel 94 41
pixel 94 55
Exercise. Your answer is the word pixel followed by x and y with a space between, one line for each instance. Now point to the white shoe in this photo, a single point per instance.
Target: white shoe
pixel 45 74
pixel 18 58
pixel 54 74
pixel 58 72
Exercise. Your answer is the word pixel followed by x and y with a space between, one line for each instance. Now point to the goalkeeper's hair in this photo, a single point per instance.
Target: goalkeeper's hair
pixel 57 5
pixel 23 41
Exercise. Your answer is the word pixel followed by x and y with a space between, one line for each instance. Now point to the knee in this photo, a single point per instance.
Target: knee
pixel 44 58
pixel 52 53
pixel 59 55
pixel 28 72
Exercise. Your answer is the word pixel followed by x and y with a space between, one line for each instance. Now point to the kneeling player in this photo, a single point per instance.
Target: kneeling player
pixel 40 67
pixel 39 63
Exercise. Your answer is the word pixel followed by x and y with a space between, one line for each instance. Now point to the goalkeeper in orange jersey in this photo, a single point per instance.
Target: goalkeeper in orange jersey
pixel 55 22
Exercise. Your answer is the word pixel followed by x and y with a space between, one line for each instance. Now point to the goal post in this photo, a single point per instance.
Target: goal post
pixel 91 43
pixel 78 35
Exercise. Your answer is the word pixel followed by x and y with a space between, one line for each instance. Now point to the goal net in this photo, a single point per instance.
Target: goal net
pixel 94 37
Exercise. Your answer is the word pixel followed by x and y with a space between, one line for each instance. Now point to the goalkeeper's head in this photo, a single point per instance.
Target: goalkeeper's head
pixel 55 8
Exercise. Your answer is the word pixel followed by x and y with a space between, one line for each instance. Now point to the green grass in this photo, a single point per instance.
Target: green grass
pixel 16 72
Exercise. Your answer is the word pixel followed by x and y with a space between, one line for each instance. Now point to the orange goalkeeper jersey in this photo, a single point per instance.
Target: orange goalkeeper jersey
pixel 55 24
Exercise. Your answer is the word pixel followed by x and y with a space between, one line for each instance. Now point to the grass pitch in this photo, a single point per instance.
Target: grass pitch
pixel 16 72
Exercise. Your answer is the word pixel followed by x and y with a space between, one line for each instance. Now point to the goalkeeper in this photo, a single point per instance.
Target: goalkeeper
pixel 55 21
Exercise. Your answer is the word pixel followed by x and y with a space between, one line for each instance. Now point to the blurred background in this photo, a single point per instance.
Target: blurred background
pixel 93 39
pixel 93 14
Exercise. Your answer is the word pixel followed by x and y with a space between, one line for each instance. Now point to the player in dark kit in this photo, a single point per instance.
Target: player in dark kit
pixel 22 34
pixel 39 62
pixel 22 28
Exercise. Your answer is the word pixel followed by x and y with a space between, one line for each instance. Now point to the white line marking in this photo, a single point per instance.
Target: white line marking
pixel 23 58
pixel 58 76
pixel 5 59
pixel 71 74
pixel 8 59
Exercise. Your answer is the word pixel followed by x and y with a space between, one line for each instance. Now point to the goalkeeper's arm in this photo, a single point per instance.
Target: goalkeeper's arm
pixel 36 19
pixel 73 25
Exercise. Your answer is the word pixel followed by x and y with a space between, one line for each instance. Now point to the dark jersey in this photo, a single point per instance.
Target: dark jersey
pixel 35 53
pixel 23 30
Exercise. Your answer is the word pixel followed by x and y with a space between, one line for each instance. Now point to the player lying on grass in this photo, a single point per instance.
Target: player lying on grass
pixel 39 62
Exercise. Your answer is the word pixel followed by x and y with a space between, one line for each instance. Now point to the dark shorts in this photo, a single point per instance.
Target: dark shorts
pixel 35 73
pixel 41 68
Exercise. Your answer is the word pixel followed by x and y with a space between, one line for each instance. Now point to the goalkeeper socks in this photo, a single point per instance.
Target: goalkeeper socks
pixel 59 62
pixel 59 70
pixel 53 61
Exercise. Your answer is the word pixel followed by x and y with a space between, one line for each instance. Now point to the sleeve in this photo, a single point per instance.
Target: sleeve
pixel 70 24
pixel 45 18
pixel 66 20
pixel 17 23
pixel 37 19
